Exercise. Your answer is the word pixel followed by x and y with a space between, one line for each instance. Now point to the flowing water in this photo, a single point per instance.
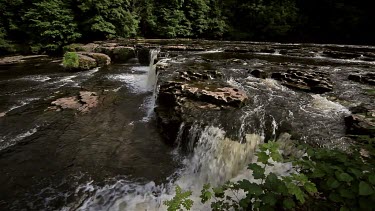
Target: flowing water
pixel 113 158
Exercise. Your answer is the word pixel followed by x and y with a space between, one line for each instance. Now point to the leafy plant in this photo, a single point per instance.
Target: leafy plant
pixel 269 192
pixel 180 199
pixel 345 181
pixel 71 60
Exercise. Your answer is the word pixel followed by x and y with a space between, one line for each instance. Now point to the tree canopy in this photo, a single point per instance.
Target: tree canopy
pixel 47 25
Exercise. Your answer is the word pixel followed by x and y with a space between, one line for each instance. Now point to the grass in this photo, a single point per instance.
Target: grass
pixel 71 60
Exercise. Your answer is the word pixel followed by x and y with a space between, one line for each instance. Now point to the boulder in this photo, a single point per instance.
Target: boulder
pixel 185 96
pixel 80 61
pixel 143 55
pixel 361 122
pixel 19 59
pixel 101 59
pixel 259 73
pixel 117 53
pixel 309 81
pixel 83 103
pixel 86 62
pixel 368 78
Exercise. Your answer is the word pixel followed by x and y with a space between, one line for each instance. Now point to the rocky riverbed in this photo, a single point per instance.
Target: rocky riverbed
pixel 168 112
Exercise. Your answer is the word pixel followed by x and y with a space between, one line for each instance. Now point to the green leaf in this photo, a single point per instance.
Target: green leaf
pixel 296 191
pixel 288 203
pixel 269 198
pixel 206 195
pixel 272 181
pixel 344 209
pixel 365 189
pixel 263 157
pixel 344 177
pixel 334 197
pixel 345 193
pixel 251 188
pixel 318 173
pixel 333 183
pixel 219 192
pixel 258 171
pixel 371 179
pixel 310 187
pixel 276 156
pixel 244 203
pixel 357 173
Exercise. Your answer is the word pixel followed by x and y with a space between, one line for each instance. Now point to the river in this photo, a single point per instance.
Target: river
pixel 114 156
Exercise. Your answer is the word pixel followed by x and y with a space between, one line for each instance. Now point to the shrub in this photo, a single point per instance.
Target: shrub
pixel 71 60
pixel 328 179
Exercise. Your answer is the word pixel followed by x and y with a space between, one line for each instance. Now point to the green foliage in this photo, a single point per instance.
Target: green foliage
pixel 107 18
pixel 71 60
pixel 344 180
pixel 46 25
pixel 4 43
pixel 50 25
pixel 270 192
pixel 73 48
pixel 180 199
pixel 327 179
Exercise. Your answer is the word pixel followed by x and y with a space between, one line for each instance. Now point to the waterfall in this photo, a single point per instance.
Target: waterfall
pixel 151 84
pixel 152 76
pixel 215 160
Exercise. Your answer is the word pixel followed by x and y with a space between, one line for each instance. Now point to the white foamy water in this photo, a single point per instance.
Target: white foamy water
pixel 39 78
pixel 136 82
pixel 215 160
pixel 151 76
pixel 210 51
pixel 5 142
pixel 148 106
pixel 20 104
pixel 140 69
pixel 326 106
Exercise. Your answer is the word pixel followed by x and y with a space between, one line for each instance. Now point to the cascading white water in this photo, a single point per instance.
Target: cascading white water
pixel 151 85
pixel 215 160
pixel 152 76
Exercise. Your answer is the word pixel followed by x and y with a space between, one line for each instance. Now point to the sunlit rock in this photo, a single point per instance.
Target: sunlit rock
pixel 84 102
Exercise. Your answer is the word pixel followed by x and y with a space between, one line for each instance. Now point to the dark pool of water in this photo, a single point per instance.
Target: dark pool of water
pixel 45 154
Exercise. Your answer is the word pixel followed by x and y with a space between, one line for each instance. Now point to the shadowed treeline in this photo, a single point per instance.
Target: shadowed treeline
pixel 46 25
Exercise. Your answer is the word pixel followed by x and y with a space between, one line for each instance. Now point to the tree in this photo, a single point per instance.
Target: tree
pixel 217 24
pixel 262 19
pixel 171 19
pixel 50 25
pixel 100 19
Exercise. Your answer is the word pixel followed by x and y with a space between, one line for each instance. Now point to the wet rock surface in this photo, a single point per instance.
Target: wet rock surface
pixel 101 59
pixel 86 62
pixel 84 102
pixel 309 81
pixel 185 95
pixel 368 78
pixel 361 122
pixel 19 59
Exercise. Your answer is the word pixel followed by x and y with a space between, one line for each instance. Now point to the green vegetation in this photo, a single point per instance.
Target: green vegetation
pixel 46 26
pixel 71 60
pixel 180 199
pixel 323 179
